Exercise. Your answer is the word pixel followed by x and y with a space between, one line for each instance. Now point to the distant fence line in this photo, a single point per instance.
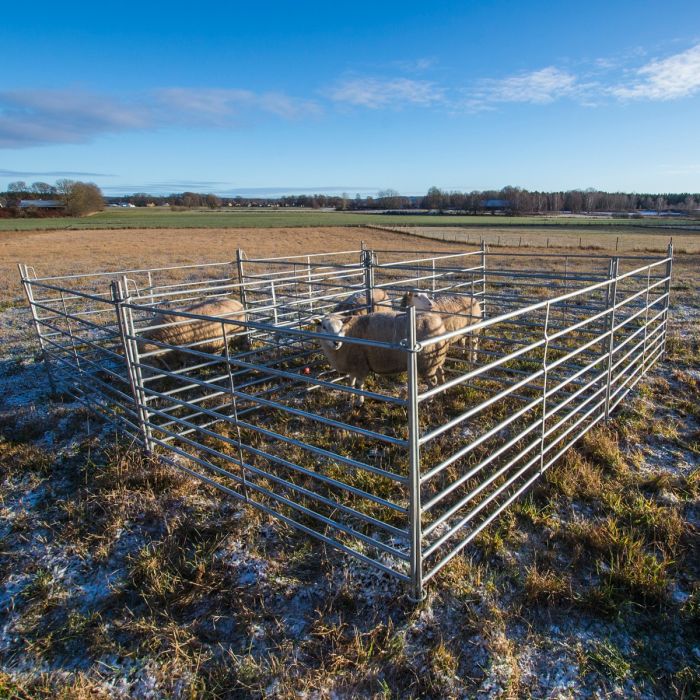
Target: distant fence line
pixel 652 242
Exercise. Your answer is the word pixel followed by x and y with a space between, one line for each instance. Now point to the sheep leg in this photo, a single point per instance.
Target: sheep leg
pixel 358 383
pixel 474 347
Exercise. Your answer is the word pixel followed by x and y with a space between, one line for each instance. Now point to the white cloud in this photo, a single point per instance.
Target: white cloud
pixel 665 79
pixel 536 87
pixel 376 93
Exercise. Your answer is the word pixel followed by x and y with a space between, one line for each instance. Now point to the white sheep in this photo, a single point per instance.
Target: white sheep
pixel 457 312
pixel 358 361
pixel 356 304
pixel 179 330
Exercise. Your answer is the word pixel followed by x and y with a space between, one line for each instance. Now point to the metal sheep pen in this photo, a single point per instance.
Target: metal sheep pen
pixel 408 480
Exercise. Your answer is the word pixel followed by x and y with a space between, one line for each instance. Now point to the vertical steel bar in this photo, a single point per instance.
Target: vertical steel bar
pixel 234 406
pixel 612 301
pixel 646 321
pixel 417 592
pixel 483 278
pixel 131 359
pixel 150 286
pixel 242 292
pixel 544 386
pixel 310 285
pixel 368 277
pixel 70 331
pixel 29 293
pixel 667 289
pixel 273 298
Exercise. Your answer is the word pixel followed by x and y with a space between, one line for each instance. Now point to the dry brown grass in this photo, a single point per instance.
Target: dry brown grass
pixel 66 252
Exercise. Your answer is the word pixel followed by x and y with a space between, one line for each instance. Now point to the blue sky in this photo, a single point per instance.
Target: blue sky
pixel 307 96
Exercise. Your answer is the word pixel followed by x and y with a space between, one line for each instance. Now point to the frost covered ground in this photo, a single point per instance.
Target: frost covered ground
pixel 120 578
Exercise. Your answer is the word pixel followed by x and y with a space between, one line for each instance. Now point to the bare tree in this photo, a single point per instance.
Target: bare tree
pixel 82 198
pixel 43 188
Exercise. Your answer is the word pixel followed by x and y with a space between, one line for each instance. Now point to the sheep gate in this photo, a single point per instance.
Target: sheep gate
pixel 405 481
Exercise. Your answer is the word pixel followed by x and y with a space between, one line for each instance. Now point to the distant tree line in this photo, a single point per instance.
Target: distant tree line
pixel 80 198
pixel 72 198
pixel 515 200
pixel 509 200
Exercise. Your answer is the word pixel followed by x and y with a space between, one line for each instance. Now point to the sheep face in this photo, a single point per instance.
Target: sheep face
pixel 420 300
pixel 333 325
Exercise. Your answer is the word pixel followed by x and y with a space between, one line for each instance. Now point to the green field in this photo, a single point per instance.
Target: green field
pixel 279 218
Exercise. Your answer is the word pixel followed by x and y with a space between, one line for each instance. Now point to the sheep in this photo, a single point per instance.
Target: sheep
pixel 457 312
pixel 358 361
pixel 181 330
pixel 356 304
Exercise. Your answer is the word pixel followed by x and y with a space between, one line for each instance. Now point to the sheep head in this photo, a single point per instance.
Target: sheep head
pixel 420 300
pixel 333 324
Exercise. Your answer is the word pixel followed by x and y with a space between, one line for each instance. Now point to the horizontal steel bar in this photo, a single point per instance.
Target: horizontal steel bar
pixel 253 470
pixel 291 441
pixel 286 519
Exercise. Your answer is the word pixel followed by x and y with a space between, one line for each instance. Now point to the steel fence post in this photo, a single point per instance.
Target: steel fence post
pixel 368 265
pixel 150 287
pixel 130 349
pixel 483 277
pixel 417 592
pixel 234 406
pixel 69 325
pixel 612 303
pixel 646 321
pixel 545 369
pixel 29 294
pixel 242 291
pixel 309 283
pixel 667 289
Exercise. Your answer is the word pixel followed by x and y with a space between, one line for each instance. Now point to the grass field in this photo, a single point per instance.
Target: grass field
pixel 206 218
pixel 120 578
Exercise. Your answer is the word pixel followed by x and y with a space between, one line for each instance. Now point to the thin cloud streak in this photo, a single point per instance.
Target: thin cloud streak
pixel 38 117
pixel 51 173
pixel 418 65
pixel 394 93
pixel 224 189
pixel 222 107
pixel 537 87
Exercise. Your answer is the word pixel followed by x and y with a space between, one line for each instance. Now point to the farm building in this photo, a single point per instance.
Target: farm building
pixel 41 204
pixel 495 204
